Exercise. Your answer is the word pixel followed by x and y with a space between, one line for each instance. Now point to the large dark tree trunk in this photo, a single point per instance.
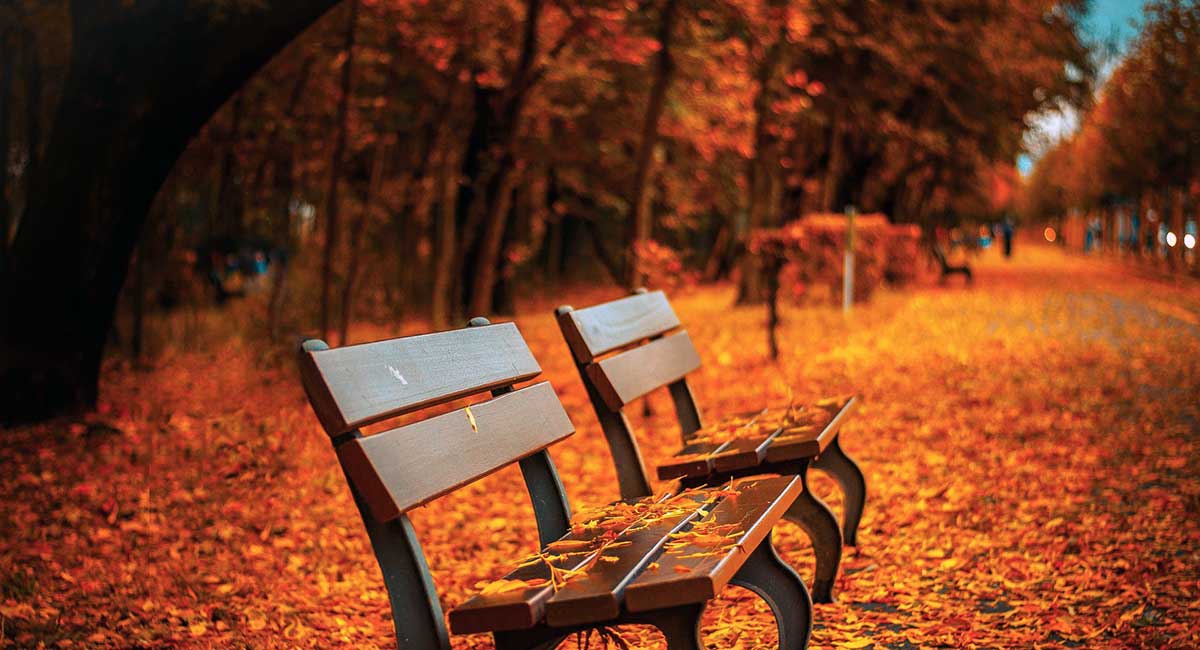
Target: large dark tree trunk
pixel 33 116
pixel 123 119
pixel 6 94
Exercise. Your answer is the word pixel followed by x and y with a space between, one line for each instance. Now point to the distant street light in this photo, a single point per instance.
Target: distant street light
pixel 1189 240
pixel 1172 239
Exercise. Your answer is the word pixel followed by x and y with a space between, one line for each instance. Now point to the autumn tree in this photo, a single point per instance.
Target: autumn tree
pixel 1137 146
pixel 141 81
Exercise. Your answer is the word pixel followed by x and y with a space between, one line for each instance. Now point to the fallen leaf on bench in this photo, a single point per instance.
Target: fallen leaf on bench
pixel 504 586
pixel 471 419
pixel 569 545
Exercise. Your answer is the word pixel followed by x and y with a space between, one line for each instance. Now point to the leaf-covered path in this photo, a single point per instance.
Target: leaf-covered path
pixel 1032 447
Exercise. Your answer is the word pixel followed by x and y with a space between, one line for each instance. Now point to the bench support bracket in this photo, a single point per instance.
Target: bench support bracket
pixel 810 513
pixel 845 471
pixel 771 578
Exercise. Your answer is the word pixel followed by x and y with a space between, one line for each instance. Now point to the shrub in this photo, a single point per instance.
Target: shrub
pixel 812 250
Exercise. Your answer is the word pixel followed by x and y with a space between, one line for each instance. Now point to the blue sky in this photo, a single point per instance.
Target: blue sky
pixel 1108 15
pixel 1106 20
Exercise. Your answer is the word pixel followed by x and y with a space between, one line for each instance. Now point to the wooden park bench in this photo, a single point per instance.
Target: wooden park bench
pixel 948 269
pixel 626 348
pixel 653 561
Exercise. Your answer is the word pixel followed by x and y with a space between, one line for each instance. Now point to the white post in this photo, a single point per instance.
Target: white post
pixel 848 265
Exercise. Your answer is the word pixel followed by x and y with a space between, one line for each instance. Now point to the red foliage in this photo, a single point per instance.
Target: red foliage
pixel 813 249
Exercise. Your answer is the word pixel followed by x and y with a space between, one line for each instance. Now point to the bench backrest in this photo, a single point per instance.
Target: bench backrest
pixel 623 350
pixel 640 323
pixel 404 467
pixel 398 469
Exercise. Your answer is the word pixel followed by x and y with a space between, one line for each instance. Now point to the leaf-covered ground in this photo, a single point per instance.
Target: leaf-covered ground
pixel 1031 446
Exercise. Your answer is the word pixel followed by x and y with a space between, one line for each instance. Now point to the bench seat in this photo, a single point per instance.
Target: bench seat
pixel 636 555
pixel 745 441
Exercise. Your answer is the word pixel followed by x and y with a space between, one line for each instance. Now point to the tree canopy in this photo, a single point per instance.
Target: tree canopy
pixel 419 157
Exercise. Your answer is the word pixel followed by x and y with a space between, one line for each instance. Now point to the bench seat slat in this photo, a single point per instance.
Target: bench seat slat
pixel 596 330
pixel 692 573
pixel 596 595
pixel 695 459
pixel 405 467
pixel 628 375
pixel 747 450
pixel 357 385
pixel 767 445
pixel 810 443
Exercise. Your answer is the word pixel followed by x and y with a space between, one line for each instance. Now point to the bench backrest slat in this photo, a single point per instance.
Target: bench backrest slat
pixel 354 386
pixel 628 375
pixel 602 328
pixel 405 467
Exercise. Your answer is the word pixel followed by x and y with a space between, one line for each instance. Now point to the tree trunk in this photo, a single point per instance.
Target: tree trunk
pixel 1176 225
pixel 335 172
pixel 416 199
pixel 640 221
pixel 33 117
pixel 122 120
pixel 488 260
pixel 488 187
pixel 228 220
pixel 761 170
pixel 444 249
pixel 6 94
pixel 270 159
pixel 356 235
pixel 833 175
pixel 139 303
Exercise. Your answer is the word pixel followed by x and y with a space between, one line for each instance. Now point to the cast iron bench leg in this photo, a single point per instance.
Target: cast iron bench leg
pixel 845 471
pixel 772 579
pixel 811 514
pixel 681 626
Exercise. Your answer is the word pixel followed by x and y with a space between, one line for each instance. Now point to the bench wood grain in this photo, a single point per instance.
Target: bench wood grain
pixel 694 574
pixel 524 608
pixel 357 385
pixel 626 376
pixel 599 329
pixel 800 444
pixel 402 468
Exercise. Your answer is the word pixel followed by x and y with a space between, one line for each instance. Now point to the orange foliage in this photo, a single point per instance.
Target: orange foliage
pixel 661 266
pixel 1031 452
